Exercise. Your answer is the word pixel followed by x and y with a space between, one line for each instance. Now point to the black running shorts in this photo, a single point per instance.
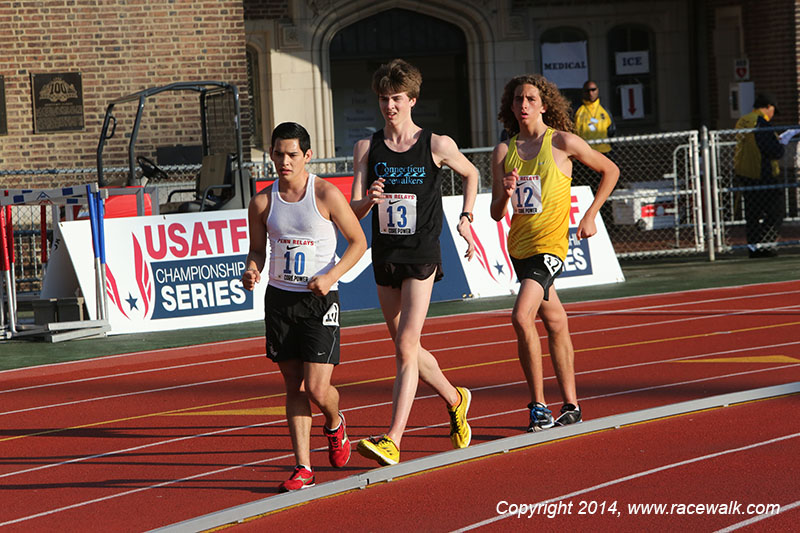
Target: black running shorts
pixel 302 325
pixel 393 274
pixel 542 268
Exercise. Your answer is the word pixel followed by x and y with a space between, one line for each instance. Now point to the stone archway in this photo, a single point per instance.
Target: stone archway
pixel 479 49
pixel 436 47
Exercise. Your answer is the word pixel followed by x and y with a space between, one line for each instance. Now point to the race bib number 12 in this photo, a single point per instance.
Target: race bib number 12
pixel 527 198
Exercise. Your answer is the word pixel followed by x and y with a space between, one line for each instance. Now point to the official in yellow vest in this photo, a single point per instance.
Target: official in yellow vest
pixel 755 162
pixel 592 121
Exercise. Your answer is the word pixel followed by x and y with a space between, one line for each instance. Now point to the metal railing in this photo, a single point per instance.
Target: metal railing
pixel 677 195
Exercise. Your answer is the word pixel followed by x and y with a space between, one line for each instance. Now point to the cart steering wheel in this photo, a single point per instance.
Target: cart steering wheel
pixel 150 169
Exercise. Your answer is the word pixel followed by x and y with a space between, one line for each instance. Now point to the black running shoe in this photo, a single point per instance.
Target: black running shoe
pixel 570 414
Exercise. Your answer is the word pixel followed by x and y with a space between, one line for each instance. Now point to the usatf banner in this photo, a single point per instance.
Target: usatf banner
pixel 169 272
pixel 183 271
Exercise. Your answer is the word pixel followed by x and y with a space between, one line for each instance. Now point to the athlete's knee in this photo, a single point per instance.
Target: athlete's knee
pixel 522 321
pixel 556 323
pixel 318 392
pixel 407 347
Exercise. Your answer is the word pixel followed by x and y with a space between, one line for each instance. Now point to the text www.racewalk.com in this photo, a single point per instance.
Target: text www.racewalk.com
pixel 613 508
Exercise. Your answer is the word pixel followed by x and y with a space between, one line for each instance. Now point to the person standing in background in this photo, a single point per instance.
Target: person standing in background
pixel 755 162
pixel 592 121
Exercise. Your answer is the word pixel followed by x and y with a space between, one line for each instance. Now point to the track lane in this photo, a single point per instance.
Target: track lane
pixel 641 464
pixel 430 411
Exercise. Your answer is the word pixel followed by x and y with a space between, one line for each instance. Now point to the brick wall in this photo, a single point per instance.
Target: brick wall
pixel 119 47
pixel 266 9
pixel 770 37
pixel 770 43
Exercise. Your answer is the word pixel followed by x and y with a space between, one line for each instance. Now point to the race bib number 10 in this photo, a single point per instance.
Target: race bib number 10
pixel 527 196
pixel 292 260
pixel 397 215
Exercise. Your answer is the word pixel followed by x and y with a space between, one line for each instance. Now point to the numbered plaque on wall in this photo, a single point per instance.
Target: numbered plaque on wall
pixel 57 102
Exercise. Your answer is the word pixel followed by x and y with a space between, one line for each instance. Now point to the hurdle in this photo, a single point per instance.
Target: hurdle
pixel 89 196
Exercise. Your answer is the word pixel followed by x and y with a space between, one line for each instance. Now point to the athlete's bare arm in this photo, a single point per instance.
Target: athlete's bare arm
pixel 257 213
pixel 445 152
pixel 332 204
pixel 363 195
pixel 570 145
pixel 503 183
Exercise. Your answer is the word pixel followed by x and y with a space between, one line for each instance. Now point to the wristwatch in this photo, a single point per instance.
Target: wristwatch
pixel 466 214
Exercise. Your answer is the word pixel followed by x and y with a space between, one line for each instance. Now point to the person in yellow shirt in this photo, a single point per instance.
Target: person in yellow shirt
pixel 755 162
pixel 592 121
pixel 532 171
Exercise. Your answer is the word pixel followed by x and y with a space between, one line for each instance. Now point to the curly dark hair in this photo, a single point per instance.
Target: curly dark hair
pixel 556 116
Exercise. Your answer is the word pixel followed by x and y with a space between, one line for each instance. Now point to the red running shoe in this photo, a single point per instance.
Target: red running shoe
pixel 301 478
pixel 338 444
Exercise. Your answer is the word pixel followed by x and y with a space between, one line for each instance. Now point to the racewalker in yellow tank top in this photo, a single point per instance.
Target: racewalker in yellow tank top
pixel 532 172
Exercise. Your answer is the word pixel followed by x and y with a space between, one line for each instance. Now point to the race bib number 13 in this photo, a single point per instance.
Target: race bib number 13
pixel 527 196
pixel 397 215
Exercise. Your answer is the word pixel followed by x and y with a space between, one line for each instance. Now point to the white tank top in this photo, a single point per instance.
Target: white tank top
pixel 302 242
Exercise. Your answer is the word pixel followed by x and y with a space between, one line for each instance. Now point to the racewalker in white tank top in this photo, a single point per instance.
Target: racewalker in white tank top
pixel 302 242
pixel 298 216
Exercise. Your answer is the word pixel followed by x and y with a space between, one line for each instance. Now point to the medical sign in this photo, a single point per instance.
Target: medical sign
pixel 565 64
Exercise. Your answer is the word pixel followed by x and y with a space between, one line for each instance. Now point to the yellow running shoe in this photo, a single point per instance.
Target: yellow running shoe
pixel 460 432
pixel 381 449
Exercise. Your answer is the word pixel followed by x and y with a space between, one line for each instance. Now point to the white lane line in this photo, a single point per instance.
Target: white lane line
pixel 476 345
pixel 322 449
pixel 429 320
pixel 133 373
pixel 369 406
pixel 274 372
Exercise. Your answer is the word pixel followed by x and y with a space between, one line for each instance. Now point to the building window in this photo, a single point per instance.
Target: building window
pixel 631 62
pixel 254 90
pixel 573 41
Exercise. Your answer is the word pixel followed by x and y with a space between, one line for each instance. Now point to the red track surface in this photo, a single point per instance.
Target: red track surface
pixel 130 443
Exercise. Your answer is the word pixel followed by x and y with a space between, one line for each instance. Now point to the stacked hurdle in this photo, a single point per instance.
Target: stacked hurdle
pixel 90 196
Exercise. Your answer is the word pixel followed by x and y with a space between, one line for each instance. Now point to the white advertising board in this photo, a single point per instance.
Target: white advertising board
pixel 164 272
pixel 490 273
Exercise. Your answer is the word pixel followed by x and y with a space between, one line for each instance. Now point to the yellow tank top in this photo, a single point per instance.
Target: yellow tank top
pixel 541 203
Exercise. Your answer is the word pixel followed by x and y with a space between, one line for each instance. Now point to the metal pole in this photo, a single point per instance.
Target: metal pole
pixel 5 267
pixel 715 194
pixel 96 249
pixel 11 260
pixel 101 236
pixel 707 195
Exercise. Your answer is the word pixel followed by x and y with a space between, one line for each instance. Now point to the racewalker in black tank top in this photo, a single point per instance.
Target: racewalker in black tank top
pixel 407 225
pixel 397 177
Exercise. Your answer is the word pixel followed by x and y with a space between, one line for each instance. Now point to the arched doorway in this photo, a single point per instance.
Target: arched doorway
pixel 436 47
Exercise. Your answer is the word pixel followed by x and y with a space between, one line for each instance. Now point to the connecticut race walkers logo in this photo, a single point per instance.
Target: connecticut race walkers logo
pixel 407 175
pixel 182 270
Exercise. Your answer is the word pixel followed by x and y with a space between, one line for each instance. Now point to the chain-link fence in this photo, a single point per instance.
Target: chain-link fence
pixel 756 200
pixel 661 206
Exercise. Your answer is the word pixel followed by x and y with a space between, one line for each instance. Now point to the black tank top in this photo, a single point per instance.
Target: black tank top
pixel 406 227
